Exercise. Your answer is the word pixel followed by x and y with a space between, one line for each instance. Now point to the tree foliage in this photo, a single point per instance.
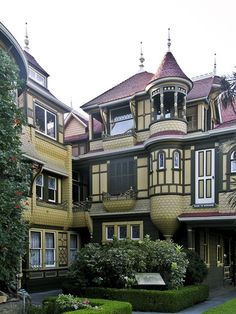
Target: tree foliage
pixel 115 264
pixel 14 174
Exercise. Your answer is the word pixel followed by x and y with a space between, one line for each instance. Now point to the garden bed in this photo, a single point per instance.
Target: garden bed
pixel 147 300
pixel 104 307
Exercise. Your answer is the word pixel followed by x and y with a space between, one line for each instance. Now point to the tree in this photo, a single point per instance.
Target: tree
pixel 14 174
pixel 227 96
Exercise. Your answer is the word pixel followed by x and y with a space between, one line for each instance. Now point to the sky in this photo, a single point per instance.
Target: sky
pixel 89 46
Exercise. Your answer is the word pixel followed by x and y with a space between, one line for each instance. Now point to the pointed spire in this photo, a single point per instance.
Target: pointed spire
pixel 169 40
pixel 26 38
pixel 141 59
pixel 214 70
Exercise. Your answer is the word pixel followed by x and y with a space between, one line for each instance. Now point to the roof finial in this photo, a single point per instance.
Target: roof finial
pixel 169 40
pixel 141 66
pixel 26 38
pixel 214 70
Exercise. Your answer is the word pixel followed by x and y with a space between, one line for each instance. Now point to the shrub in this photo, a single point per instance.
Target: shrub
pixel 115 264
pixel 147 300
pixel 196 270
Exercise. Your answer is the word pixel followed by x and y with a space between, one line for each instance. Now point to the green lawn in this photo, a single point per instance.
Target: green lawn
pixel 225 308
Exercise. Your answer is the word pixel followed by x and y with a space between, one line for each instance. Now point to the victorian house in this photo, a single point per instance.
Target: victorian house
pixel 162 164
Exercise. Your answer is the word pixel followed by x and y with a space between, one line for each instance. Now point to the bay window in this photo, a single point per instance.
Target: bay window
pixel 47 188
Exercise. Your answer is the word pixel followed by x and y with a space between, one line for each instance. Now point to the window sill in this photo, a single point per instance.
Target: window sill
pixel 61 206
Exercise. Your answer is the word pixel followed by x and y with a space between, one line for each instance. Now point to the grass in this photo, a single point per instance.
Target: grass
pixel 225 308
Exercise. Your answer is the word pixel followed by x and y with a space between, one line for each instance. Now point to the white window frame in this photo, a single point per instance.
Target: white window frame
pixel 33 249
pixel 41 186
pixel 51 249
pixel 233 162
pixel 55 190
pixel 205 177
pixel 131 232
pixel 45 121
pixel 37 77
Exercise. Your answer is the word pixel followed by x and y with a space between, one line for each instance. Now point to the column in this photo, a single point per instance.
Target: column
pixel 190 238
pixel 175 104
pixel 184 108
pixel 90 127
pixel 162 106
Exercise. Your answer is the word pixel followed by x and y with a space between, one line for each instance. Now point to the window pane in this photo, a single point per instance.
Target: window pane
pixel 49 257
pixel 40 119
pixel 35 260
pixel 39 180
pixel 52 183
pixel 110 232
pixel 233 165
pixel 122 232
pixel 200 189
pixel 121 120
pixel 51 122
pixel 176 159
pixel 73 241
pixel 161 160
pixel 200 164
pixel 135 232
pixel 35 240
pixel 208 163
pixel 49 238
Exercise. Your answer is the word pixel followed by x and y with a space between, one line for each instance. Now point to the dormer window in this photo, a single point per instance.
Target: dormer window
pixel 37 77
pixel 121 120
pixel 45 121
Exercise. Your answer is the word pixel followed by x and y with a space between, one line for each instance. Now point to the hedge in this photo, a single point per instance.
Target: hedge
pixel 108 307
pixel 147 300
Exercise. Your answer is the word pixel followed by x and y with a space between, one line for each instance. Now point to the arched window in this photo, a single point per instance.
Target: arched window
pixel 176 159
pixel 233 161
pixel 161 160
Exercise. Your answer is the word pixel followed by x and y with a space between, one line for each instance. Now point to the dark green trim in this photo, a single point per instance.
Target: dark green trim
pixel 218 174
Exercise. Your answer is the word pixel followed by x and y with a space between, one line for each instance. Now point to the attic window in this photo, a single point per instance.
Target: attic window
pixel 37 77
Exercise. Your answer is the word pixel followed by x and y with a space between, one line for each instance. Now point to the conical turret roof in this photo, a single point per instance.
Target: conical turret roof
pixel 169 68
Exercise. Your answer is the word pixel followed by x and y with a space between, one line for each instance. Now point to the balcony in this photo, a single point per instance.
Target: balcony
pixel 119 203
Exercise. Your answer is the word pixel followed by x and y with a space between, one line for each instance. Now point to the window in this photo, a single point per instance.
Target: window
pixel 35 249
pixel 37 77
pixel 109 232
pixel 122 175
pixel 135 232
pixel 52 188
pixel 161 160
pixel 176 159
pixel 122 232
pixel 46 188
pixel 73 247
pixel 50 249
pixel 121 121
pixel 39 186
pixel 233 161
pixel 45 121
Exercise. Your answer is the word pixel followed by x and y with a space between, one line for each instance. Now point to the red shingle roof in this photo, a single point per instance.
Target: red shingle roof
pixel 169 68
pixel 127 88
pixel 206 214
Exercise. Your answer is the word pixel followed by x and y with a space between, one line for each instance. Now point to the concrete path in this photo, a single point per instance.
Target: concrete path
pixel 216 297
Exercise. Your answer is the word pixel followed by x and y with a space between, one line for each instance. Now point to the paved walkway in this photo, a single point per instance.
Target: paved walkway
pixel 216 297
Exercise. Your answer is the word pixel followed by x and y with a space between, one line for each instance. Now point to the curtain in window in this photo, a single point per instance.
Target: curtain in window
pixel 49 254
pixel 35 249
